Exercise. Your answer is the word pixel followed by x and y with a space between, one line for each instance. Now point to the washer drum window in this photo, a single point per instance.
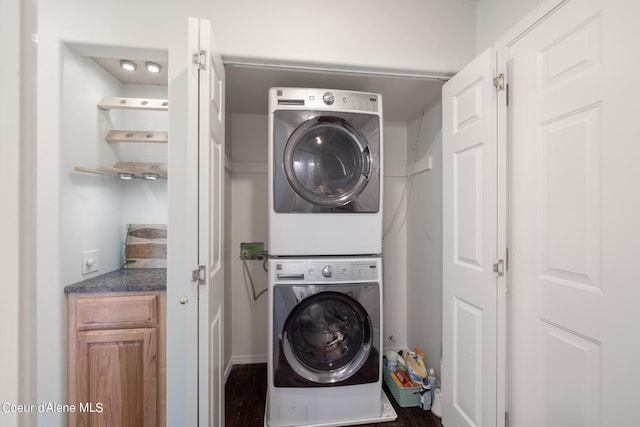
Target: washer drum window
pixel 327 337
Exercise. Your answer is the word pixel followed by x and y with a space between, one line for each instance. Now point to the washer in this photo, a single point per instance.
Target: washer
pixel 325 172
pixel 325 320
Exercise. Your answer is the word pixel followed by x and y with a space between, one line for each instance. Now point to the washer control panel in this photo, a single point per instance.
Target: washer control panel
pixel 327 270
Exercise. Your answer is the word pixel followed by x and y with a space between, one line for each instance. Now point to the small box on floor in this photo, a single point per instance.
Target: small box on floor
pixel 405 396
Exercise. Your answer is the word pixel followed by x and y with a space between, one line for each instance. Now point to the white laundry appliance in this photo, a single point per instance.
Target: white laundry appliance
pixel 325 172
pixel 325 362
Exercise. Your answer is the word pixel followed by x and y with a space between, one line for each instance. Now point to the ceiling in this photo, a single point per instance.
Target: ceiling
pixel 403 98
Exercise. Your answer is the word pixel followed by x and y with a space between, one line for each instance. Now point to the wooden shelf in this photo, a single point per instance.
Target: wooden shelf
pixel 137 169
pixel 137 136
pixel 149 104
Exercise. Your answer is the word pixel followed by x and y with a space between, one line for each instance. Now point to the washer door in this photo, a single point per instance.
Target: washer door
pixel 327 161
pixel 327 338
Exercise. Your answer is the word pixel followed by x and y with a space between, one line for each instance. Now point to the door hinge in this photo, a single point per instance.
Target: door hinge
pixel 198 275
pixel 498 267
pixel 498 82
pixel 200 59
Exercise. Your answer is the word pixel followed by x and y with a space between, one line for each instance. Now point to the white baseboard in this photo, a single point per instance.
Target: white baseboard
pixel 248 359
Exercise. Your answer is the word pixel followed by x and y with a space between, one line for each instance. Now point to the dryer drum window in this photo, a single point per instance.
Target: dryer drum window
pixel 327 161
pixel 327 337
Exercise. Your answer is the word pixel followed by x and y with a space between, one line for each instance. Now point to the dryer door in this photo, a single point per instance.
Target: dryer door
pixel 327 338
pixel 327 161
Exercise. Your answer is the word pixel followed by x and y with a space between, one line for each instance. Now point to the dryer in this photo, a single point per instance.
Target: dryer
pixel 325 172
pixel 325 320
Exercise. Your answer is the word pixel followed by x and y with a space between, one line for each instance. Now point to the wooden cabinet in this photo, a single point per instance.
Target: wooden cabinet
pixel 116 360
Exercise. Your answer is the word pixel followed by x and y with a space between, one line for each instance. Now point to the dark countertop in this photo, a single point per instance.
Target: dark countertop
pixel 123 280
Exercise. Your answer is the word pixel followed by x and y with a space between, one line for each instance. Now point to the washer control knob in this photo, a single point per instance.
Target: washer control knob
pixel 328 98
pixel 327 271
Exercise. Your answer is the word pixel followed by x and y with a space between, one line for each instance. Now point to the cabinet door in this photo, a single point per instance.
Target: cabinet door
pixel 117 378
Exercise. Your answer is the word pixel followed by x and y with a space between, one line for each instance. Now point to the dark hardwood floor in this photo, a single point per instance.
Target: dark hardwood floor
pixel 246 392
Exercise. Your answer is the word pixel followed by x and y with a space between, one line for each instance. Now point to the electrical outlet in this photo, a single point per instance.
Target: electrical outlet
pixel 253 250
pixel 90 262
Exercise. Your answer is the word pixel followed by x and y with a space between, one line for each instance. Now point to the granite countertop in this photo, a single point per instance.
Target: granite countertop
pixel 123 280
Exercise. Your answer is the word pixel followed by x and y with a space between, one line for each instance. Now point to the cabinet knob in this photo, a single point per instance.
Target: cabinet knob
pixel 184 300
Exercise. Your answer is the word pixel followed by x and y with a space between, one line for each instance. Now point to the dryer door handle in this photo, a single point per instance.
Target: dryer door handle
pixel 367 161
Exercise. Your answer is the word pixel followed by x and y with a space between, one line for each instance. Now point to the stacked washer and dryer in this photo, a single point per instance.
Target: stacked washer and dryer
pixel 325 266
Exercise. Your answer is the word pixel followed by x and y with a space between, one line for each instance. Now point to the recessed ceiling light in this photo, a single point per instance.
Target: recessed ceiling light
pixel 153 67
pixel 126 175
pixel 125 64
pixel 150 176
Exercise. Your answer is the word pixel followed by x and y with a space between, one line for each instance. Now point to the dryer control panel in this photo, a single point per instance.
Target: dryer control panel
pixel 327 270
pixel 326 99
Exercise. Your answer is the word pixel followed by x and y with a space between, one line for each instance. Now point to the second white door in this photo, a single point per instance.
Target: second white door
pixel 575 201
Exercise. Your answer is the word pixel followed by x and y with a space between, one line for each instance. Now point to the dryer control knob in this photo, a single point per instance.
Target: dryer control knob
pixel 328 98
pixel 327 271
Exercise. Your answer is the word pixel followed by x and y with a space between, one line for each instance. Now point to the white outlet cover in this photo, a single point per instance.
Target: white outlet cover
pixel 90 261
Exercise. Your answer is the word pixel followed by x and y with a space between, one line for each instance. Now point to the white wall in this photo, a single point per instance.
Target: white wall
pixel 248 223
pixel 425 35
pixel 495 17
pixel 9 209
pixel 17 218
pixel 424 240
pixel 90 205
pixel 394 245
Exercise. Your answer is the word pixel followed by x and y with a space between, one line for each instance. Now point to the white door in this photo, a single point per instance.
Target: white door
pixel 211 156
pixel 472 362
pixel 575 204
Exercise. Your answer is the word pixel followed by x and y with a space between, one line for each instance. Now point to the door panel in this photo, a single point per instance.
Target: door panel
pixel 573 367
pixel 573 219
pixel 467 361
pixel 569 194
pixel 467 208
pixel 470 226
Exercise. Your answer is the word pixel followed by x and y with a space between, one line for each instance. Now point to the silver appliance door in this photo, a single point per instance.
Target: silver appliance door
pixel 327 161
pixel 327 337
